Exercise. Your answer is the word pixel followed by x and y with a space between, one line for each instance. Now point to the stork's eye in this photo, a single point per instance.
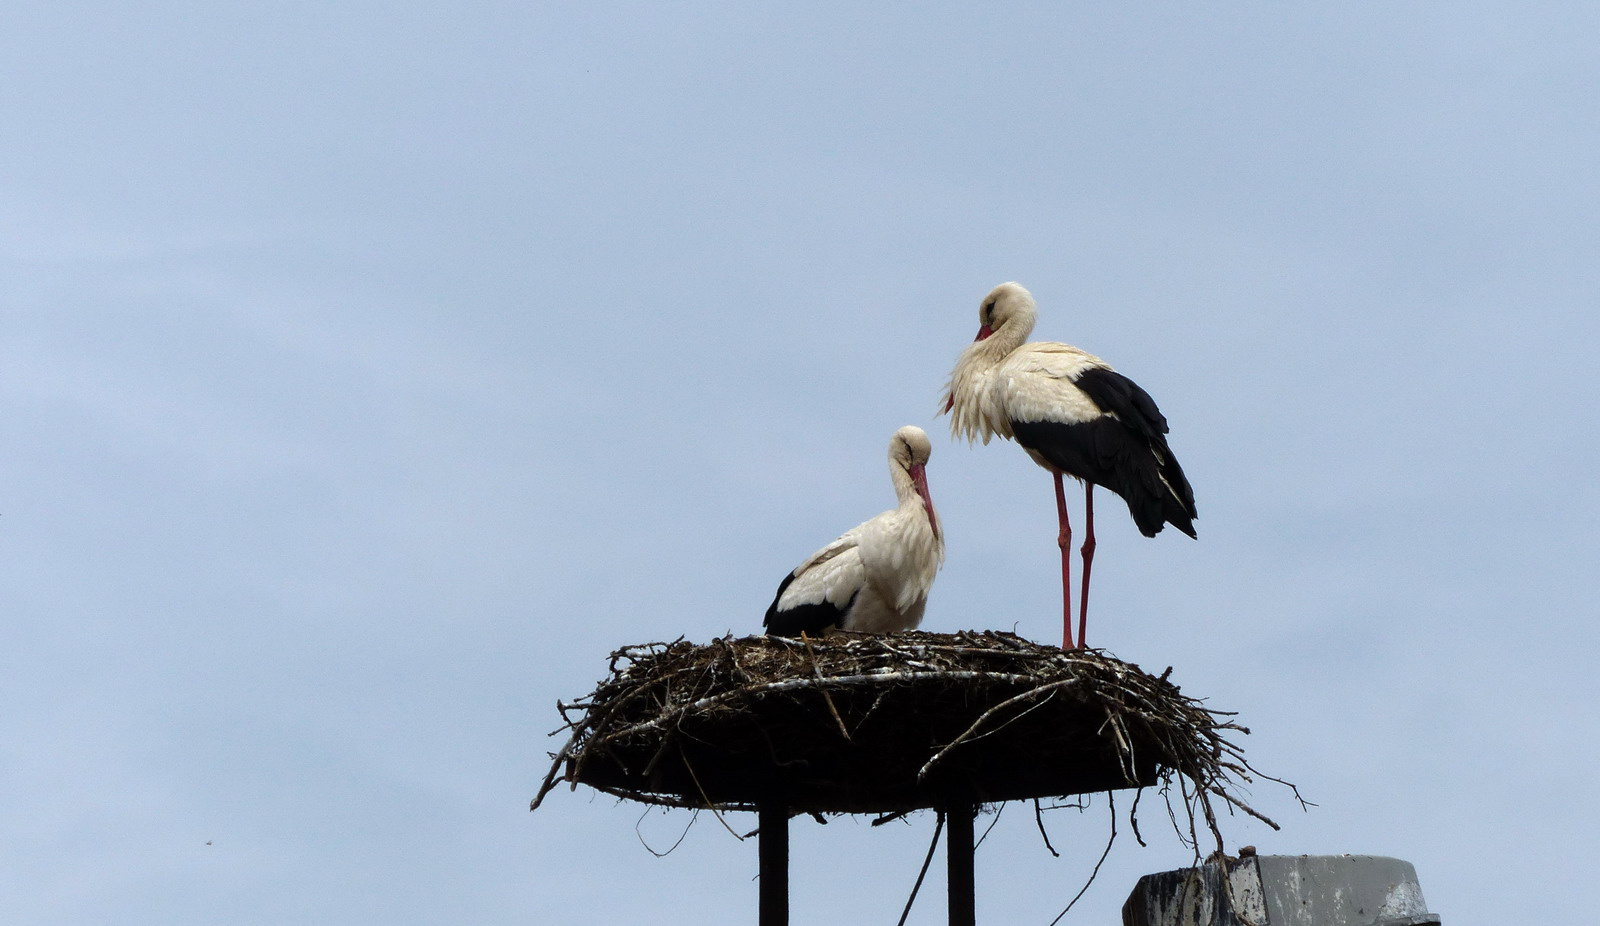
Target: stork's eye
pixel 988 312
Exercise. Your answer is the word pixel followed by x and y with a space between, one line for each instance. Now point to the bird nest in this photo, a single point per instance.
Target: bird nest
pixel 887 724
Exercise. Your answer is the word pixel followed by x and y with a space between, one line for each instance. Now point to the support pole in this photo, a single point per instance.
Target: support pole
pixel 773 819
pixel 958 854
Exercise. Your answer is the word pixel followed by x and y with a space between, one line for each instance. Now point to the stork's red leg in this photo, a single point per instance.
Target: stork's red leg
pixel 1064 540
pixel 1088 559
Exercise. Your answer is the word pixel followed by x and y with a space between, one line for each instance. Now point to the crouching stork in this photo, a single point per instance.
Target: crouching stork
pixel 875 578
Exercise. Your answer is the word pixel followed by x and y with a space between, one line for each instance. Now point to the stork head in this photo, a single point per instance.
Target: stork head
pixel 1005 319
pixel 1007 304
pixel 910 447
pixel 909 450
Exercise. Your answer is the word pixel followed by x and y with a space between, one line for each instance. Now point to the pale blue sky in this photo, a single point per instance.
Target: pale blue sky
pixel 369 372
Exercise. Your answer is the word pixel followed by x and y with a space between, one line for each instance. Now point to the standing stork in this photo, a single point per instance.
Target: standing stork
pixel 1075 416
pixel 875 578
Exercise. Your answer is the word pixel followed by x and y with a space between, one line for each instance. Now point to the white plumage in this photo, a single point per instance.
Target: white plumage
pixel 1075 416
pixel 875 578
pixel 1028 383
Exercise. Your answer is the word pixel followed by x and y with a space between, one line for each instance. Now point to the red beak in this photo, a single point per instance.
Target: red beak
pixel 919 479
pixel 983 332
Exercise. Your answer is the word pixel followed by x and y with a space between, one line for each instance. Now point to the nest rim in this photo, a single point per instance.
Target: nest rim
pixel 857 723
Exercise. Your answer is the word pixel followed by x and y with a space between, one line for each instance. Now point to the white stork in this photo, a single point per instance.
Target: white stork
pixel 875 578
pixel 1076 417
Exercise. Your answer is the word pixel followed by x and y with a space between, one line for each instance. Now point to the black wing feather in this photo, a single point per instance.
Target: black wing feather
pixel 1121 396
pixel 1126 451
pixel 813 619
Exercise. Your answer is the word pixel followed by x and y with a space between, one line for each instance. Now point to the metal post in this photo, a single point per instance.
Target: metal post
pixel 773 820
pixel 958 854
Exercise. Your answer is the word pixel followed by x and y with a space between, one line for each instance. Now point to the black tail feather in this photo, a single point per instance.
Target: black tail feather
pixel 1137 466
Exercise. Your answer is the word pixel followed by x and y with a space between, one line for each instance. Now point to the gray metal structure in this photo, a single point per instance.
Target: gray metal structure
pixel 1283 890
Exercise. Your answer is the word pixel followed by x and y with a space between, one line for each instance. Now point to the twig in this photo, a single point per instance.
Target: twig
pixel 891 817
pixel 933 844
pixel 1243 806
pixel 1038 817
pixel 1112 795
pixel 922 773
pixel 825 696
pixel 998 810
pixel 709 805
pixel 550 779
pixel 674 846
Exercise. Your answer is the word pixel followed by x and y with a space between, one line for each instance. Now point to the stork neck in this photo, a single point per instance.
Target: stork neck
pixel 996 347
pixel 1010 335
pixel 905 490
pixel 911 490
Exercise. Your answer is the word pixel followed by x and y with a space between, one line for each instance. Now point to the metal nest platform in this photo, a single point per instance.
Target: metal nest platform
pixel 886 724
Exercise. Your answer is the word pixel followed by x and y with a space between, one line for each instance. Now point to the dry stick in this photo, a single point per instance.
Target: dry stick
pixel 1111 797
pixel 874 706
pixel 674 847
pixel 656 759
pixel 709 805
pixel 566 722
pixel 1188 805
pixel 1303 802
pixel 924 872
pixel 968 737
pixel 1211 821
pixel 891 817
pixel 1133 818
pixel 999 809
pixel 549 779
pixel 1124 745
pixel 1172 815
pixel 1243 806
pixel 825 696
pixel 1032 692
pixel 733 656
pixel 1237 769
pixel 1038 817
